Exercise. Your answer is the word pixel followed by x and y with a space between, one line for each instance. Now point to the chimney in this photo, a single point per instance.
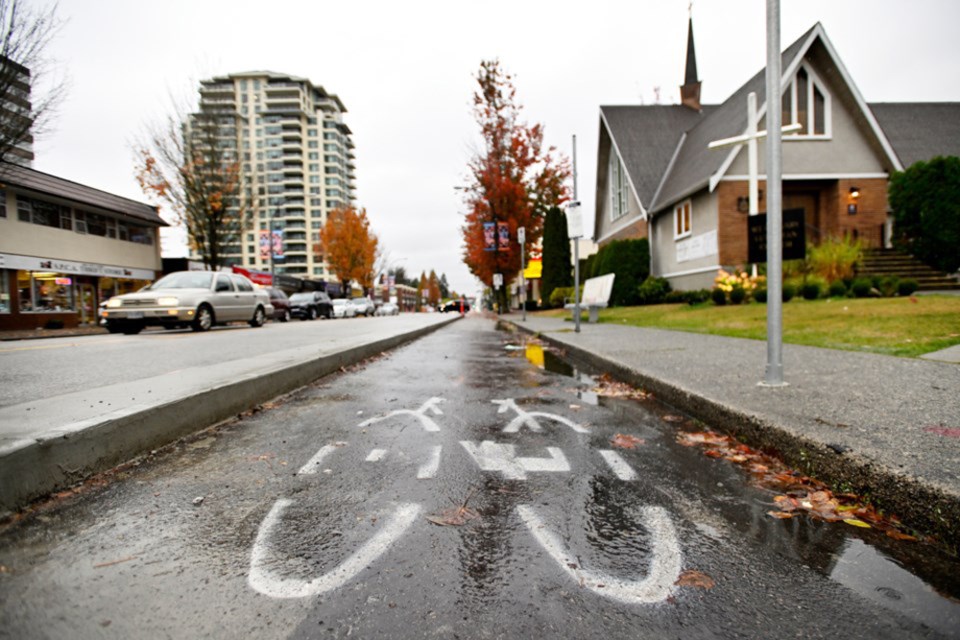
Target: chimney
pixel 690 90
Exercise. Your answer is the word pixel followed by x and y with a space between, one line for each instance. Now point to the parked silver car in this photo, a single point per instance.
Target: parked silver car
pixel 195 299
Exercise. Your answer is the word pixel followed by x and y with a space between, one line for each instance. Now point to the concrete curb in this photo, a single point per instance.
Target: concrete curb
pixel 923 506
pixel 32 468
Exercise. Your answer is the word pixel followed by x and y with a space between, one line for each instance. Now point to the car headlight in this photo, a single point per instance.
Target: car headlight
pixel 113 303
pixel 168 301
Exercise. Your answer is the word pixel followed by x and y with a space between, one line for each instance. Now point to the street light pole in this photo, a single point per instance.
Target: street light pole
pixel 774 371
pixel 576 248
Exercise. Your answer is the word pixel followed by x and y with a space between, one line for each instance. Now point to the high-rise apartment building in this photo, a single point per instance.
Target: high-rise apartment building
pixel 296 161
pixel 16 117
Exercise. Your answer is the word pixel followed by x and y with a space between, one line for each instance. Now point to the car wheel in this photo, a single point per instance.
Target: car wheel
pixel 259 318
pixel 132 328
pixel 113 327
pixel 204 320
pixel 285 316
pixel 313 313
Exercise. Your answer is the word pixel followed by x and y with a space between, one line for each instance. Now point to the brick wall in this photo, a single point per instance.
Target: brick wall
pixel 833 218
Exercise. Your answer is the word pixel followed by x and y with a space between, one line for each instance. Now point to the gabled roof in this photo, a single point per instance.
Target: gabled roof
pixel 38 182
pixel 645 139
pixel 920 130
pixel 695 163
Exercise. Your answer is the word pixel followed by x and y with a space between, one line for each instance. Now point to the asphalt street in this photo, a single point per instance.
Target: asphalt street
pixel 462 486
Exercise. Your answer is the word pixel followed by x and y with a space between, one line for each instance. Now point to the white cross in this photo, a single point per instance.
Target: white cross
pixel 750 138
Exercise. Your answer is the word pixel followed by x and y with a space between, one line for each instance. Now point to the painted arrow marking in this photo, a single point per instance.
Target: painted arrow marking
pixel 430 405
pixel 264 581
pixel 656 587
pixel 492 456
pixel 529 418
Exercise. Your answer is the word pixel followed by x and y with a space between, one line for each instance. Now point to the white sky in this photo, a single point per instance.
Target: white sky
pixel 405 71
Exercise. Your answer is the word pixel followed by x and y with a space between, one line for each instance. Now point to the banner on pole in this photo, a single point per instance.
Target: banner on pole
pixel 489 236
pixel 503 236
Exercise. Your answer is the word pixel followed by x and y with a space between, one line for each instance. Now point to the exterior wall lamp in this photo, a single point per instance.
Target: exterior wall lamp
pixel 854 196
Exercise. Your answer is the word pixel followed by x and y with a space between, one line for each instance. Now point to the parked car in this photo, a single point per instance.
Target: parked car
pixel 281 304
pixel 454 305
pixel 388 309
pixel 195 299
pixel 342 308
pixel 310 305
pixel 364 306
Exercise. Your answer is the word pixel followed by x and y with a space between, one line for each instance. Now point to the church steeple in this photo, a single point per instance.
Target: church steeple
pixel 690 90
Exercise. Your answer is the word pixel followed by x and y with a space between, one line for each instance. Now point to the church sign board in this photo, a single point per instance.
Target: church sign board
pixel 794 236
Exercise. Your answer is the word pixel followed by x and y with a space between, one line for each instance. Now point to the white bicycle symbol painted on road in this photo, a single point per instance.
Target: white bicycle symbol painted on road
pixel 658 584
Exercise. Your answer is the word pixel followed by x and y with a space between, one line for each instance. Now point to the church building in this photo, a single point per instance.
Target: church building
pixel 658 179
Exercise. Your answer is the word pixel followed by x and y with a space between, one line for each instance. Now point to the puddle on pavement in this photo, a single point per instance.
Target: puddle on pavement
pixel 913 579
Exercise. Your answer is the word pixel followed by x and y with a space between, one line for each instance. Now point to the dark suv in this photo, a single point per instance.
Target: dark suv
pixel 309 305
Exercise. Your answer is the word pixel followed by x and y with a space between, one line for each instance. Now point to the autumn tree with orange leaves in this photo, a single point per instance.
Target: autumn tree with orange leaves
pixel 187 165
pixel 513 178
pixel 349 247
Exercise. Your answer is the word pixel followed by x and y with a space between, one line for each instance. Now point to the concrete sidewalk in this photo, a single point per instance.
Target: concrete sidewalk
pixel 57 441
pixel 885 427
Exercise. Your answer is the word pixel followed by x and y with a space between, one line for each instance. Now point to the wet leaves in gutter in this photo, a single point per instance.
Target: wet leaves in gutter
pixel 797 494
pixel 607 386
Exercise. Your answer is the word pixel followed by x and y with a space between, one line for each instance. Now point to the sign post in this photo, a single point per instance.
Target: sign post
pixel 575 232
pixel 521 240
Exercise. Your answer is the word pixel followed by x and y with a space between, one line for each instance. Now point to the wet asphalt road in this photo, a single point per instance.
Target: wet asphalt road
pixel 312 518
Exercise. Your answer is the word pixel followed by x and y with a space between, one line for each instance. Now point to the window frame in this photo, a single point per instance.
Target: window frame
pixel 619 189
pixel 814 84
pixel 680 230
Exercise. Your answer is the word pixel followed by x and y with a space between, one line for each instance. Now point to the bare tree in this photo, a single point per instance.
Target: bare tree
pixel 25 34
pixel 191 164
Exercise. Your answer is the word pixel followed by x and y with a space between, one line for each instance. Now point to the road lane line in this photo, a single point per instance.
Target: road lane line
pixel 314 463
pixel 429 469
pixel 376 455
pixel 665 563
pixel 618 465
pixel 263 580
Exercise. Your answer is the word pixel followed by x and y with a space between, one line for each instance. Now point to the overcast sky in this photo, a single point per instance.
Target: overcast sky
pixel 405 72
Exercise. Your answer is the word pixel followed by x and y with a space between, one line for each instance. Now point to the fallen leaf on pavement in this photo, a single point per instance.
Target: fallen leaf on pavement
pixel 672 418
pixel 691 578
pixel 455 516
pixel 626 441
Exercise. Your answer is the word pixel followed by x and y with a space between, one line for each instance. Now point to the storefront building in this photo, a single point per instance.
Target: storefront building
pixel 66 247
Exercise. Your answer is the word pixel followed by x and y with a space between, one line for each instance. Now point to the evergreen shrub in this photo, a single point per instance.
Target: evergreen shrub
pixel 810 291
pixel 789 290
pixel 760 295
pixel 908 287
pixel 719 296
pixel 838 289
pixel 654 290
pixel 861 287
pixel 738 295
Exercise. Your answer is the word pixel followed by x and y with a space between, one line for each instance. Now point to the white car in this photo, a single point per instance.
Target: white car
pixel 387 309
pixel 364 306
pixel 342 308
pixel 195 299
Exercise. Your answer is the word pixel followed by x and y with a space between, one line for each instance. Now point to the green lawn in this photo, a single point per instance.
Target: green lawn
pixel 894 326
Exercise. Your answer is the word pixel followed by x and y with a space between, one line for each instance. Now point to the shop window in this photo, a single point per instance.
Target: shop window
pixel 45 292
pixel 3 203
pixel 4 292
pixel 682 220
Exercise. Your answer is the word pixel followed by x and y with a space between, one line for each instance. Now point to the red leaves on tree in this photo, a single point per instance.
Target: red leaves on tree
pixel 349 247
pixel 514 179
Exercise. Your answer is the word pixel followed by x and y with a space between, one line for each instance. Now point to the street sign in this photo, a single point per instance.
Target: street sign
pixel 497 280
pixel 522 235
pixel 794 236
pixel 574 221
